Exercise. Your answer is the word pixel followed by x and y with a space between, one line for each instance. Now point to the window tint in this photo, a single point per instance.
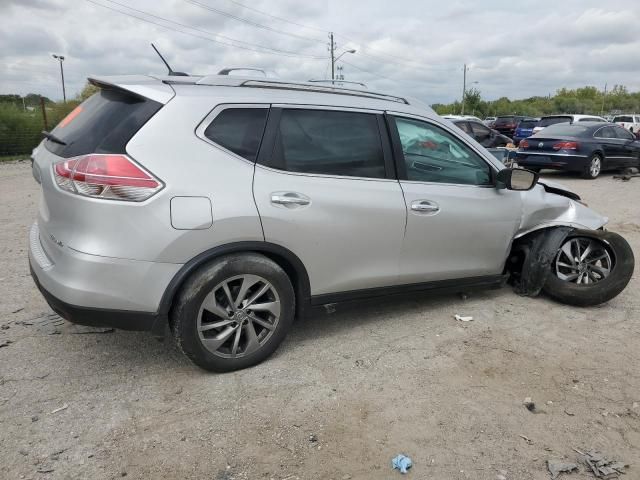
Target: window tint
pixel 606 132
pixel 590 119
pixel 480 132
pixel 104 123
pixel 464 126
pixel 431 154
pixel 624 133
pixel 239 130
pixel 546 121
pixel 330 143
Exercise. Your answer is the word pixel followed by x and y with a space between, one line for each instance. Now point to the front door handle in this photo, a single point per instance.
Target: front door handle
pixel 425 206
pixel 289 199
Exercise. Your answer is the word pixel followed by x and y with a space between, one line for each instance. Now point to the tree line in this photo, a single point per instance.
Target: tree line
pixel 586 100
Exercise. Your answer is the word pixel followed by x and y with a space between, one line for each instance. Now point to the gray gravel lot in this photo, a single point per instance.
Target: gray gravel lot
pixel 366 383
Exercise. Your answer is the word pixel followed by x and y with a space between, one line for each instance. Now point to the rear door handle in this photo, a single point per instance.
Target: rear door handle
pixel 425 206
pixel 290 199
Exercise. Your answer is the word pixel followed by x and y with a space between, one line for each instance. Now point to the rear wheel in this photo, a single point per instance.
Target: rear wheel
pixel 233 312
pixel 593 168
pixel 591 267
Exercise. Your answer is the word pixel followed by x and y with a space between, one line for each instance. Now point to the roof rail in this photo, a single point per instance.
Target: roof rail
pixel 228 70
pixel 338 82
pixel 310 87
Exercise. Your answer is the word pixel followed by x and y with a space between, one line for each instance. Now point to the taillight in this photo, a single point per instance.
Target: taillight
pixel 110 176
pixel 565 146
pixel 523 144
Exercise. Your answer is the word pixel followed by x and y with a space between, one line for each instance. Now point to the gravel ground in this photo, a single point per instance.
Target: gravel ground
pixel 345 393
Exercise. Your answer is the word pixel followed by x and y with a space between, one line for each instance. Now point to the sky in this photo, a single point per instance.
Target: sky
pixel 410 47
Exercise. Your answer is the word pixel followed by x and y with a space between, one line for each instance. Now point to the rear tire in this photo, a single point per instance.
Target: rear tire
pixel 602 290
pixel 593 168
pixel 233 312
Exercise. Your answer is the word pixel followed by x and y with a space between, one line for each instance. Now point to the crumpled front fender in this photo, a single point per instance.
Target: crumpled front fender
pixel 541 209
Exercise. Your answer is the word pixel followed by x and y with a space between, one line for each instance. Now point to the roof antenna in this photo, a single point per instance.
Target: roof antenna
pixel 171 72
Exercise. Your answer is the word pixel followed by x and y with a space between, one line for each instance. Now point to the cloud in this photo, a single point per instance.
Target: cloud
pixel 410 47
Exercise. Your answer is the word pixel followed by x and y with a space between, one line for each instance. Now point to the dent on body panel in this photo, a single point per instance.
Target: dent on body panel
pixel 542 209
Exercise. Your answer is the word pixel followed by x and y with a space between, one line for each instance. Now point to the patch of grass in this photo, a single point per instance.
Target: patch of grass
pixel 10 158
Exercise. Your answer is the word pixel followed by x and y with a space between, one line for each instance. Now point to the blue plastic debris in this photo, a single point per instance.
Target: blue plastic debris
pixel 402 463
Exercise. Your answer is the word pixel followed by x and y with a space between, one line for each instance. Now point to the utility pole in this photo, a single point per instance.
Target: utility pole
pixel 603 97
pixel 60 58
pixel 332 48
pixel 464 86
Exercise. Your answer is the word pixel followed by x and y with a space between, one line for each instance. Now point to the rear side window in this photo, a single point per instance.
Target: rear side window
pixel 606 132
pixel 623 118
pixel 239 130
pixel 330 143
pixel 104 123
pixel 546 121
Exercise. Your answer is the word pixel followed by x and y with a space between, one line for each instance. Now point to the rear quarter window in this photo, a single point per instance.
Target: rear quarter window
pixel 239 130
pixel 104 123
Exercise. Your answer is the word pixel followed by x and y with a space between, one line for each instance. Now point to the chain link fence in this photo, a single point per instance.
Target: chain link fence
pixel 21 129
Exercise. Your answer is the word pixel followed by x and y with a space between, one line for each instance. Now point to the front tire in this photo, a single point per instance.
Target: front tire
pixel 233 312
pixel 593 168
pixel 590 268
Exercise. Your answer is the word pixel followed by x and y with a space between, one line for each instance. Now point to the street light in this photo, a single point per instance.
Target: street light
pixel 60 58
pixel 335 59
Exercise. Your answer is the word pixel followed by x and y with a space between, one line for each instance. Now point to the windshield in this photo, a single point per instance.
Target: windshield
pixel 546 121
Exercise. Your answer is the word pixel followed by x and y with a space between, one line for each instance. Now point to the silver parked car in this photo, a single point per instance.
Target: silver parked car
pixel 221 207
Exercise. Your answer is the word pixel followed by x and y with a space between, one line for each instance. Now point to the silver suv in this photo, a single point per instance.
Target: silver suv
pixel 222 207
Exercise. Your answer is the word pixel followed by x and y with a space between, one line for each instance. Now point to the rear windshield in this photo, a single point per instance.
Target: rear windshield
pixel 506 119
pixel 624 119
pixel 564 130
pixel 527 123
pixel 104 123
pixel 546 121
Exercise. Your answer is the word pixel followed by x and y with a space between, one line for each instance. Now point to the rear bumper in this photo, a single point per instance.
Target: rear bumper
pixel 98 291
pixel 556 161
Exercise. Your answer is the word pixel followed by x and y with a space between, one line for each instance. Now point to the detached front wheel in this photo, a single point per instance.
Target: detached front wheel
pixel 591 267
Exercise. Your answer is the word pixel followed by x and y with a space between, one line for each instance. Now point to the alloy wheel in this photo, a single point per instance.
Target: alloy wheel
pixel 238 316
pixel 595 166
pixel 583 261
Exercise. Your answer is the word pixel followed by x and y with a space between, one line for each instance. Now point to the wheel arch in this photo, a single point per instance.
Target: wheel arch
pixel 284 257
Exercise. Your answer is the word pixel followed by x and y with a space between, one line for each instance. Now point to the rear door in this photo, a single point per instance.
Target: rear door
pixel 325 188
pixel 458 224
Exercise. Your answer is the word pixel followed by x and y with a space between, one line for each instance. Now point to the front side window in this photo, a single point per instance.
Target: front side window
pixel 330 143
pixel 239 130
pixel 431 154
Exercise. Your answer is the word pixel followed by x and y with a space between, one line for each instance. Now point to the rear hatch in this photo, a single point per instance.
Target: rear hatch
pixel 505 124
pixel 83 165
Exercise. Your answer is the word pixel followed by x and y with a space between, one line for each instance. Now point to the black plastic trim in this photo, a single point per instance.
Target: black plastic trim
pixel 439 287
pixel 276 252
pixel 98 317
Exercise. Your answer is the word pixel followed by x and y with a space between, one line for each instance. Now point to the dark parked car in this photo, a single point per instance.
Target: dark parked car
pixel 482 134
pixel 585 147
pixel 506 124
pixel 524 129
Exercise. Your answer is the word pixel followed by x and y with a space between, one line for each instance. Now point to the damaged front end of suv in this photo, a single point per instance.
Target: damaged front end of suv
pixel 562 248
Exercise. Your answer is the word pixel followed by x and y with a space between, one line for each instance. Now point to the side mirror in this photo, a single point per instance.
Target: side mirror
pixel 516 179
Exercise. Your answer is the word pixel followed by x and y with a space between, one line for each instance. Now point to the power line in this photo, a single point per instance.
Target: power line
pixel 252 23
pixel 367 71
pixel 247 46
pixel 278 18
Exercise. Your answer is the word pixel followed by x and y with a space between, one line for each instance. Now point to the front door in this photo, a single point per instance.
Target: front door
pixel 325 189
pixel 458 224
